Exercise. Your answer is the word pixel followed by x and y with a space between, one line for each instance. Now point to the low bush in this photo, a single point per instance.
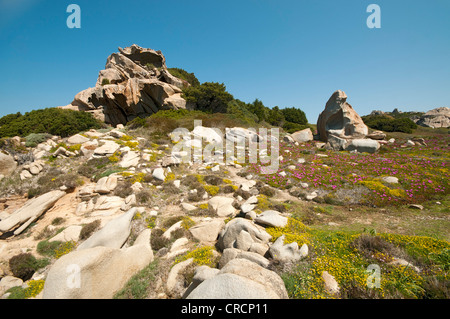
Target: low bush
pixel 389 124
pixel 55 121
pixel 24 265
pixel 209 97
pixel 88 229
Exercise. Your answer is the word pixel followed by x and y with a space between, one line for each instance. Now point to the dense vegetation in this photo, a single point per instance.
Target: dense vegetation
pixel 54 121
pixel 388 123
pixel 184 75
pixel 213 97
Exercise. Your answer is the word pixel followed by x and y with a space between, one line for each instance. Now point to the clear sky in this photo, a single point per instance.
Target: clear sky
pixel 285 52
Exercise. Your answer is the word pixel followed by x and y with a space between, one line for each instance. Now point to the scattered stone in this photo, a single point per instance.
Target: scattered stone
pixel 410 143
pixel 416 206
pixel 222 206
pixel 188 207
pixel 71 233
pixel 377 135
pixel 271 218
pixel 311 196
pixel 25 174
pixel 305 135
pixel 402 262
pixel 159 174
pixel 207 231
pixel 106 184
pixel 131 158
pixel 363 145
pixel 331 285
pixel 107 149
pixel 8 282
pixel 129 202
pixel 290 252
pixel 77 139
pixel 390 179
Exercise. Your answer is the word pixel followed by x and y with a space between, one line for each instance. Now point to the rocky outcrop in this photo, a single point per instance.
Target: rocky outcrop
pixel 439 117
pixel 340 119
pixel 240 279
pixel 97 272
pixel 135 82
pixel 7 164
pixel 30 212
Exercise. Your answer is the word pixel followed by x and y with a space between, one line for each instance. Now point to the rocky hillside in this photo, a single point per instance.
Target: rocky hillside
pixel 435 118
pixel 103 212
pixel 166 202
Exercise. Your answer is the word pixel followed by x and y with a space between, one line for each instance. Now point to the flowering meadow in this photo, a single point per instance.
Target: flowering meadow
pixel 418 174
pixel 422 172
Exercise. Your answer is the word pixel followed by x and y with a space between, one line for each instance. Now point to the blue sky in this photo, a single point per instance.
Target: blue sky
pixel 285 53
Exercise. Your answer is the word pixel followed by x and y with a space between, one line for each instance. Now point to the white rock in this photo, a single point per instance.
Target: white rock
pixel 106 184
pixel 159 173
pixel 207 231
pixel 390 179
pixel 108 148
pixel 331 285
pixel 131 158
pixel 77 139
pixel 222 206
pixel 113 234
pixel 271 218
pixel 71 233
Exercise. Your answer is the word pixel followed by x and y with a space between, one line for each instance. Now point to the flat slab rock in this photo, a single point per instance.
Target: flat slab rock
pixel 271 218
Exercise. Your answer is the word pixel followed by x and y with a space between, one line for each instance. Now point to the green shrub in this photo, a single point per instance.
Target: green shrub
pixel 209 97
pixel 240 110
pixel 290 127
pixel 258 108
pixel 54 121
pixel 276 117
pixel 389 124
pixel 34 139
pixel 24 265
pixel 105 81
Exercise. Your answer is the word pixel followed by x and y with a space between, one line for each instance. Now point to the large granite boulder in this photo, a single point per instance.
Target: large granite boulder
pixel 135 82
pixel 98 272
pixel 340 119
pixel 7 164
